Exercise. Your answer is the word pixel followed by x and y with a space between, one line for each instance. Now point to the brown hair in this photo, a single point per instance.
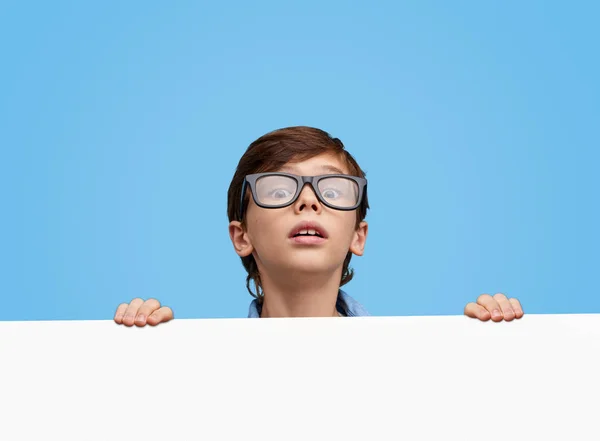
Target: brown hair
pixel 272 151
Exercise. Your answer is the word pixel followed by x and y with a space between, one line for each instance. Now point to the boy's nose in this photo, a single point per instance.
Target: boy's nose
pixel 308 199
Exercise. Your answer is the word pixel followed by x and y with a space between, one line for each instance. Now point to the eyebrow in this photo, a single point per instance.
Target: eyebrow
pixel 326 168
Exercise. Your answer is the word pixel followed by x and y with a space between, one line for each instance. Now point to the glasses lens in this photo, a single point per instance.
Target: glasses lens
pixel 275 190
pixel 339 192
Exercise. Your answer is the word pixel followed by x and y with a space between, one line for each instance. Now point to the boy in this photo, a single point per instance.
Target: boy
pixel 296 207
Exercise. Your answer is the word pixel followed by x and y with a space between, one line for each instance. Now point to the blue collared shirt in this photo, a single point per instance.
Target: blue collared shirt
pixel 345 305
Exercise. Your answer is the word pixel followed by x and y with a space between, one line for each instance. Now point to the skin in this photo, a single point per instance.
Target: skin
pixel 303 280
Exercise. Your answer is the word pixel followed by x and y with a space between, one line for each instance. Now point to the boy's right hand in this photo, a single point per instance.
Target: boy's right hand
pixel 140 313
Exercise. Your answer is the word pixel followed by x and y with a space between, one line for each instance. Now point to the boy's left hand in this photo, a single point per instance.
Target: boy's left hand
pixel 497 307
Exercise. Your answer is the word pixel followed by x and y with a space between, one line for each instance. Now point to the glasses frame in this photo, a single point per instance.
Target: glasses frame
pixel 313 181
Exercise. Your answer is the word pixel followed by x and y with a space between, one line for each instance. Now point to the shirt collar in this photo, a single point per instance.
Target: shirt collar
pixel 345 304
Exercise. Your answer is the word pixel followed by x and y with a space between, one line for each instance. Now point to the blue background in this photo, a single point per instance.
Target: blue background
pixel 122 123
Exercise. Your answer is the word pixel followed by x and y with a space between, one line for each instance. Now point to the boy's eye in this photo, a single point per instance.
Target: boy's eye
pixel 330 193
pixel 280 193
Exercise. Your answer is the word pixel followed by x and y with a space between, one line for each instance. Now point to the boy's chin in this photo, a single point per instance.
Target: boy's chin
pixel 312 263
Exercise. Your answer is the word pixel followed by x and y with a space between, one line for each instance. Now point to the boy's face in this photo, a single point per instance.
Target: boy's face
pixel 269 233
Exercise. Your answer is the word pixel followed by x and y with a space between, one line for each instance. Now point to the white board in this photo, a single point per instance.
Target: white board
pixel 397 378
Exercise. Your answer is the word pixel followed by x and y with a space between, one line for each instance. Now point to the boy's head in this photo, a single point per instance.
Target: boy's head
pixel 266 237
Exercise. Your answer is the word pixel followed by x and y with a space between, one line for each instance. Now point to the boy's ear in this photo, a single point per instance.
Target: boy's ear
pixel 239 239
pixel 360 239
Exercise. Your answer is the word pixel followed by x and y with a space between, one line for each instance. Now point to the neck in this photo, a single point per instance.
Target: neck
pixel 300 295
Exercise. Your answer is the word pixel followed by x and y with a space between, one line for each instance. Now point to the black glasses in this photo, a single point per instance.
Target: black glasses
pixel 278 190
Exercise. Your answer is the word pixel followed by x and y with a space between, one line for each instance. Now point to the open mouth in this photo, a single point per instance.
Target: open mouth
pixel 310 233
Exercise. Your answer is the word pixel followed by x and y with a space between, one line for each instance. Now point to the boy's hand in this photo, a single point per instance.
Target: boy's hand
pixel 140 313
pixel 498 308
